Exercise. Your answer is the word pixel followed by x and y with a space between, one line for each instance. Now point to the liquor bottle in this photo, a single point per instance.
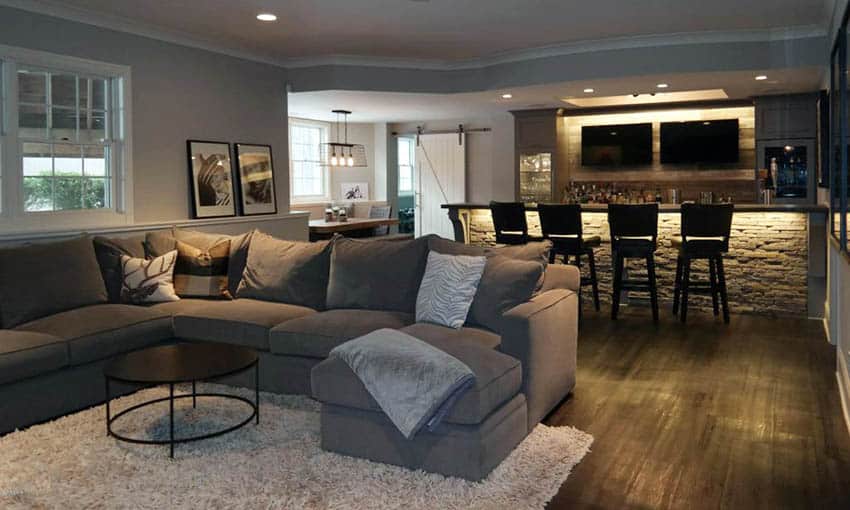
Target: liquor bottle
pixel 658 195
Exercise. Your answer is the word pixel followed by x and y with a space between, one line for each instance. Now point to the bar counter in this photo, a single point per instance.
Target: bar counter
pixel 776 263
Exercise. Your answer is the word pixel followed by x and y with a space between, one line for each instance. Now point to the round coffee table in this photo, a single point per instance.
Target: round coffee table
pixel 181 363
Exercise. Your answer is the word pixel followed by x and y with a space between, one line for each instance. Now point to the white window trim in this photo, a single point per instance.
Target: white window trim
pixel 412 189
pixel 313 199
pixel 13 219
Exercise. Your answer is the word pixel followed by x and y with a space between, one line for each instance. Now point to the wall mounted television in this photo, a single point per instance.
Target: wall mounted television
pixel 616 145
pixel 700 142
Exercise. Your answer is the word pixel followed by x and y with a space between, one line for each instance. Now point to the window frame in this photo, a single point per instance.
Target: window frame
pixel 326 181
pixel 14 219
pixel 411 166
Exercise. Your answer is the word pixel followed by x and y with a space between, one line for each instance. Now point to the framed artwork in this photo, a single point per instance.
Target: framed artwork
pixel 256 179
pixel 211 175
pixel 354 191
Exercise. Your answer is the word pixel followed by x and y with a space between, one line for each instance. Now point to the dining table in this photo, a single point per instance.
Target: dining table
pixel 323 229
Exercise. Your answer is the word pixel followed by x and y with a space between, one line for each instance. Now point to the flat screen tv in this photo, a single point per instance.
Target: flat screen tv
pixel 699 142
pixel 616 145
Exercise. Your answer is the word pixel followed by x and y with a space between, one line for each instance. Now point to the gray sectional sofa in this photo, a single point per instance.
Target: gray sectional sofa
pixel 524 357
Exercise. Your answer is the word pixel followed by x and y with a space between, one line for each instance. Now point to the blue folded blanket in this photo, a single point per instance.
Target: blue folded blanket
pixel 415 383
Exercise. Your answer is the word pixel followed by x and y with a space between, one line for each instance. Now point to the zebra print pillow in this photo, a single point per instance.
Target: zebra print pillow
pixel 447 288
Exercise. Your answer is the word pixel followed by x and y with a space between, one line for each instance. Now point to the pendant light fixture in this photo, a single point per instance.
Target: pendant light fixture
pixel 341 153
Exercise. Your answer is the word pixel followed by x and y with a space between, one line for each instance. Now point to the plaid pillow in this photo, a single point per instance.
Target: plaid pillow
pixel 202 273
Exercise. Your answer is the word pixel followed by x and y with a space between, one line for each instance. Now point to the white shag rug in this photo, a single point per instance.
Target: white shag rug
pixel 71 463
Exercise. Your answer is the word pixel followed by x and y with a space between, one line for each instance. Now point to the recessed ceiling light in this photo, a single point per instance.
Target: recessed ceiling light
pixel 761 77
pixel 507 96
pixel 589 91
pixel 662 85
pixel 266 17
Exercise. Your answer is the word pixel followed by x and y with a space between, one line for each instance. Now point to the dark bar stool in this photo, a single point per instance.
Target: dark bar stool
pixel 705 235
pixel 509 222
pixel 634 235
pixel 561 224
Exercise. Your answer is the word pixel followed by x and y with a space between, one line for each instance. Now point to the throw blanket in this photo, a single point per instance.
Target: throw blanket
pixel 414 383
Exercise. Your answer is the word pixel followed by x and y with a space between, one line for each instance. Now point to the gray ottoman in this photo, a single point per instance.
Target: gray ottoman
pixel 482 428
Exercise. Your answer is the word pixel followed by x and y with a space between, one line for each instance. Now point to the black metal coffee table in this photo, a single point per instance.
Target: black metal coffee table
pixel 181 363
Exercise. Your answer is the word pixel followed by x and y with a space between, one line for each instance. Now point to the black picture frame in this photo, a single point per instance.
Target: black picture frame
pixel 257 194
pixel 212 191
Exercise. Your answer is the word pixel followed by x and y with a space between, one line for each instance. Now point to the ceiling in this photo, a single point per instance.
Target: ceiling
pixel 411 107
pixel 433 30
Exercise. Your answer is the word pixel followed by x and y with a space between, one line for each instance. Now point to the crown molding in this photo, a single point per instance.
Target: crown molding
pixel 60 10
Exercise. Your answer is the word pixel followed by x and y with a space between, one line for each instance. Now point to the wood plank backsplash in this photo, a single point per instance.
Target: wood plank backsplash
pixel 736 179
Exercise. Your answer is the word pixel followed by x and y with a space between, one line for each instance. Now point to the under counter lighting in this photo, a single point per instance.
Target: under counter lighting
pixel 507 96
pixel 589 91
pixel 761 77
pixel 266 17
pixel 662 85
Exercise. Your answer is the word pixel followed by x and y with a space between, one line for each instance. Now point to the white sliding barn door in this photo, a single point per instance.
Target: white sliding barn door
pixel 440 179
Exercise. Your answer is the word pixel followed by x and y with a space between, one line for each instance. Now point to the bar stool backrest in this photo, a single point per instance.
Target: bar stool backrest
pixel 711 223
pixel 633 221
pixel 509 222
pixel 561 223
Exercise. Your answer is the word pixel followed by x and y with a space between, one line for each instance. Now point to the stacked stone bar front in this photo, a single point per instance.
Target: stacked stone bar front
pixel 766 268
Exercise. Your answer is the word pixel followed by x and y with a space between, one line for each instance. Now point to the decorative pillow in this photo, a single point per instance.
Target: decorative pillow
pixel 202 273
pixel 447 288
pixel 42 279
pixel 148 281
pixel 290 272
pixel 161 243
pixel 505 284
pixel 376 275
pixel 109 252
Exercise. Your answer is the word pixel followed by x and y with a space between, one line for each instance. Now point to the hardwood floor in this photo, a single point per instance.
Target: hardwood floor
pixel 706 415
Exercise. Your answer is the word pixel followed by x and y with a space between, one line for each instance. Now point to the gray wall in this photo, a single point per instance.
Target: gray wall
pixel 178 93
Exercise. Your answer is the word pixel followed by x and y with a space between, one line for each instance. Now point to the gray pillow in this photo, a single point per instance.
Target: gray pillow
pixel 42 279
pixel 376 275
pixel 290 272
pixel 505 283
pixel 109 252
pixel 447 288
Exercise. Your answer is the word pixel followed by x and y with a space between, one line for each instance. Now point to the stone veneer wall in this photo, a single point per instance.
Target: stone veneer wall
pixel 766 267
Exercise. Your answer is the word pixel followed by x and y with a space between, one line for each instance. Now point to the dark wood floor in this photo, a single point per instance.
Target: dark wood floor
pixel 706 415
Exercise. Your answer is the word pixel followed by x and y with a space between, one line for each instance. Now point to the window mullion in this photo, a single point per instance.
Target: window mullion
pixel 13 166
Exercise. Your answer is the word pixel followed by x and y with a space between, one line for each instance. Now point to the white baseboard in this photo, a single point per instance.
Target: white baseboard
pixel 844 389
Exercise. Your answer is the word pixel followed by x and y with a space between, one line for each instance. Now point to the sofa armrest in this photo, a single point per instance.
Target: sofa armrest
pixel 542 333
pixel 561 276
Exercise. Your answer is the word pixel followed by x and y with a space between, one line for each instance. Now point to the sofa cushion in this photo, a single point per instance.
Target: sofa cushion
pixel 437 333
pixel 101 331
pixel 314 336
pixel 286 271
pixel 504 284
pixel 109 252
pixel 498 378
pixel 41 279
pixel 376 275
pixel 148 280
pixel 241 321
pixel 534 251
pixel 25 354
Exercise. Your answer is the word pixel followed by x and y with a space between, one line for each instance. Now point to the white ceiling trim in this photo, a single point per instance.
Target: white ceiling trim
pixel 58 9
